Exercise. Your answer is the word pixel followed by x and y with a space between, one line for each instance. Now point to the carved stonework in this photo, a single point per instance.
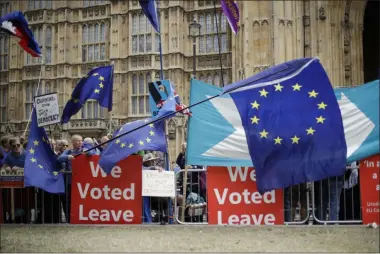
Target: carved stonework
pixel 75 28
pixel 322 15
pixel 256 23
pixel 171 129
pixel 166 14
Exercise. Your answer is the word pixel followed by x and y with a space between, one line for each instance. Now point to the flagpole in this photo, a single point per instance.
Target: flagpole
pixel 220 50
pixel 181 110
pixel 38 87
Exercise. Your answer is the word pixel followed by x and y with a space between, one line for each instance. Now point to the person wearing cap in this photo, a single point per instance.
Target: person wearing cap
pixel 161 203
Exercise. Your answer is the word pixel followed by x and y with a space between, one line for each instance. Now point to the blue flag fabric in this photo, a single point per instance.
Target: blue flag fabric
pixel 293 125
pixel 97 85
pixel 150 137
pixel 40 168
pixel 16 25
pixel 149 7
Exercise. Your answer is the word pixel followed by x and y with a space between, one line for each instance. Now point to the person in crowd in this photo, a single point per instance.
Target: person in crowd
pixel 62 145
pixel 23 142
pixel 53 145
pixel 89 143
pixel 181 157
pixel 15 161
pixel 102 140
pixel 4 149
pixel 327 196
pixel 294 196
pixel 350 198
pixel 159 203
pixel 65 160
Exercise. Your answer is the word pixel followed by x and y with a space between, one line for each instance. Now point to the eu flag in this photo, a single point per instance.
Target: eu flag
pixel 149 7
pixel 292 123
pixel 40 168
pixel 97 85
pixel 15 24
pixel 149 137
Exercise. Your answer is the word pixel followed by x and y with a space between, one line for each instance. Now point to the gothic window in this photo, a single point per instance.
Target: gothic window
pixel 141 34
pixel 217 80
pixel 3 104
pixel 157 39
pixel 140 95
pixel 48 44
pixel 209 79
pixel 30 92
pixel 225 78
pixel 4 7
pixel 85 3
pixel 202 78
pixel 47 88
pixel 208 41
pixel 93 42
pixel 92 110
pixel 4 46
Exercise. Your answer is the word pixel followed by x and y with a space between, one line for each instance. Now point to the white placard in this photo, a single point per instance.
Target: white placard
pixel 47 109
pixel 158 184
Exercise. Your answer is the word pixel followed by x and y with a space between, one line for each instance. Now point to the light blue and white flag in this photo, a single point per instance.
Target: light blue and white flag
pixel 216 135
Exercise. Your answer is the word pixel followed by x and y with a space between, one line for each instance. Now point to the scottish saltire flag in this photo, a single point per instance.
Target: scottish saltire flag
pixel 40 168
pixel 164 100
pixel 359 108
pixel 15 24
pixel 149 7
pixel 232 13
pixel 97 85
pixel 149 137
pixel 360 112
pixel 216 135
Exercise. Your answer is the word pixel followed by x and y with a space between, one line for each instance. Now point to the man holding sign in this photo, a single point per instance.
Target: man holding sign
pixel 160 203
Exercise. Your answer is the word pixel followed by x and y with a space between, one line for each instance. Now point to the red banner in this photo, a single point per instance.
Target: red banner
pixel 369 173
pixel 233 198
pixel 98 198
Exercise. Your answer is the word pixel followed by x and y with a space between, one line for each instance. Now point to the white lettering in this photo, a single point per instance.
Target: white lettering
pixel 95 171
pixel 82 193
pixel 106 215
pixel 116 194
pixel 222 199
pixel 106 192
pixel 238 171
pixel 116 172
pixel 248 197
pixel 81 216
pixel 96 193
pixel 131 191
pixel 246 219
pixel 93 215
pixel 128 216
pixel 236 200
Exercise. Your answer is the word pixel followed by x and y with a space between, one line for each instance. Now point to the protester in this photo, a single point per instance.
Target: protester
pixel 4 149
pixel 181 157
pixel 159 203
pixel 102 140
pixel 62 145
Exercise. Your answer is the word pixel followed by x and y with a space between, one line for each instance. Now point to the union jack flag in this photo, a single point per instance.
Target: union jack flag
pixel 179 105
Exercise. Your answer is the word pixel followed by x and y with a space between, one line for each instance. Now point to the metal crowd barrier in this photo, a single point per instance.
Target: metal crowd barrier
pixel 32 205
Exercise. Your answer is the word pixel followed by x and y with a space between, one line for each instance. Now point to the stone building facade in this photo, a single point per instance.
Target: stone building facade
pixel 76 36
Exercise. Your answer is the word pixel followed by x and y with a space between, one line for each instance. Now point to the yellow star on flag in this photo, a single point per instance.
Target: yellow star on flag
pixel 151 133
pixel 97 90
pixel 148 140
pixel 255 120
pixel 322 105
pixel 95 74
pixel 130 145
pixel 141 142
pixel 320 119
pixel 40 166
pixel 55 173
pixel 295 139
pixel 310 131
pixel 297 87
pixel 264 134
pixel 263 93
pixel 101 85
pixel 33 160
pixel 122 145
pixel 313 94
pixel 277 140
pixel 278 87
pixel 31 150
pixel 117 141
pixel 255 105
pixel 75 100
pixel 151 125
pixel 101 78
pixel 35 142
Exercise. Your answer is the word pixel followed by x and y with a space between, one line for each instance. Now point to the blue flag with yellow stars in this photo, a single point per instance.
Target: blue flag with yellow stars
pixel 292 123
pixel 150 137
pixel 40 168
pixel 96 85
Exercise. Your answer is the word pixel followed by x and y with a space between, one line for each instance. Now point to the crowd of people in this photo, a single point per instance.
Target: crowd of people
pixel 336 197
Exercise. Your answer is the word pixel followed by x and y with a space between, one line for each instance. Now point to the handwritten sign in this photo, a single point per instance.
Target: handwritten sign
pixel 158 184
pixel 47 109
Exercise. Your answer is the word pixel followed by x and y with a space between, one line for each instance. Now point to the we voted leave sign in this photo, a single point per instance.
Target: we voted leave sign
pixel 98 198
pixel 233 198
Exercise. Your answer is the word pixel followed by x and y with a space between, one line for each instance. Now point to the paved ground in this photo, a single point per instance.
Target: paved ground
pixel 188 238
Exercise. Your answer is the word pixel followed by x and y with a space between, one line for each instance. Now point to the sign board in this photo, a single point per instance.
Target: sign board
pixel 158 184
pixel 158 94
pixel 98 198
pixel 233 198
pixel 11 179
pixel 47 109
pixel 369 174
